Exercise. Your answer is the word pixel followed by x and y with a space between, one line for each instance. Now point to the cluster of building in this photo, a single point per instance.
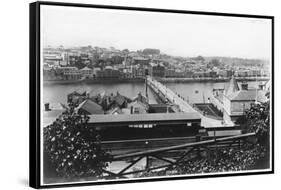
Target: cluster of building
pixel 114 103
pixel 110 63
pixel 102 103
pixel 234 100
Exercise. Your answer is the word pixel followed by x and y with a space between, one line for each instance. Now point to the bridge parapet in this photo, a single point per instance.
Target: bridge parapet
pixel 171 96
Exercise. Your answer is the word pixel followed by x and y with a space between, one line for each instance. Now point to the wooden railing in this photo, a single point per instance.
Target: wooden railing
pixel 158 153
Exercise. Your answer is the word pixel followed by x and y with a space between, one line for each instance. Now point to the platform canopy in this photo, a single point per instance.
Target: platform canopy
pixel 153 118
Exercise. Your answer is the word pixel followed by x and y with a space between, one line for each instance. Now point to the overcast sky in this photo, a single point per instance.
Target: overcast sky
pixel 173 34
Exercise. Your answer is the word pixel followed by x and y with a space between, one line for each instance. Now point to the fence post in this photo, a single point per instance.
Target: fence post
pixel 239 144
pixel 198 138
pixel 215 138
pixel 147 163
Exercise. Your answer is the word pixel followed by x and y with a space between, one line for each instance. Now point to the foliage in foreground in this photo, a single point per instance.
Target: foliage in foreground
pixel 258 121
pixel 221 160
pixel 73 147
pixel 246 157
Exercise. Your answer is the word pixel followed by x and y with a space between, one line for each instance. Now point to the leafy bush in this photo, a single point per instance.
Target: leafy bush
pixel 73 147
pixel 223 160
pixel 258 121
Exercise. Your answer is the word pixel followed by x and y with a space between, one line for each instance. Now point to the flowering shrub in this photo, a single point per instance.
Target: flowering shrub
pixel 258 121
pixel 73 147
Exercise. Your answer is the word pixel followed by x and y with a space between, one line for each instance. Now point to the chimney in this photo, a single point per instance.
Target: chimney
pixel 139 97
pixel 47 107
pixel 131 109
pixel 261 86
pixel 244 86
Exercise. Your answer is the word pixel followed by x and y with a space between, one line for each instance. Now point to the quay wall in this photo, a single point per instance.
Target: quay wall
pixel 141 80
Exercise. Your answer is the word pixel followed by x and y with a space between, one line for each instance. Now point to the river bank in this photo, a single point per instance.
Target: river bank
pixel 141 80
pixel 203 80
pixel 95 81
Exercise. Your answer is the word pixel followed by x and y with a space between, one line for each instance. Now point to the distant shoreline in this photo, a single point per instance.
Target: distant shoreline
pixel 94 81
pixel 189 80
pixel 141 80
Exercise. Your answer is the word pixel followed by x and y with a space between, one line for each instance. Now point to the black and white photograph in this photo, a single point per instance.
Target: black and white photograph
pixel 139 94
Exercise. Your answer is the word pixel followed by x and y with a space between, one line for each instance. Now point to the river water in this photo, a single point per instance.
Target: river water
pixel 194 92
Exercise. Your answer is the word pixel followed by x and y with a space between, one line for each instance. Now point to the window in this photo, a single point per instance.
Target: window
pixel 136 110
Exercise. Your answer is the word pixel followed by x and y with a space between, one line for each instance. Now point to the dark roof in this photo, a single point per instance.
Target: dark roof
pixel 78 93
pixel 95 98
pixel 159 108
pixel 144 118
pixel 120 99
pixel 157 105
pixel 90 107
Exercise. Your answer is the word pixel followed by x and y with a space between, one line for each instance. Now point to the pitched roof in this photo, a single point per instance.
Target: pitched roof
pixel 248 95
pixel 91 107
pixel 77 93
pixel 138 104
pixel 232 87
pixel 114 111
pixel 140 98
pixel 120 99
pixel 86 69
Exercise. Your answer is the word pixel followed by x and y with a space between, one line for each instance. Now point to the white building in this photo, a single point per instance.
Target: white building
pixel 235 100
pixel 87 72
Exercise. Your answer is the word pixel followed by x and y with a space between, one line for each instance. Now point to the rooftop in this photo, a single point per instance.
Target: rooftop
pixel 140 58
pixel 250 94
pixel 91 107
pixel 86 69
pixel 144 118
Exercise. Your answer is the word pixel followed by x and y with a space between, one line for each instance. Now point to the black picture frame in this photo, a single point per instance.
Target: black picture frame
pixel 35 107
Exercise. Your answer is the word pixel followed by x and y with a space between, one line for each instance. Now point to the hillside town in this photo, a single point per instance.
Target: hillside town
pixel 136 94
pixel 101 64
pixel 129 122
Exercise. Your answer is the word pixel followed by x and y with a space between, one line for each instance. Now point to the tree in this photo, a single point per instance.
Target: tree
pixel 258 121
pixel 213 63
pixel 126 51
pixel 73 147
pixel 151 51
pixel 199 58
